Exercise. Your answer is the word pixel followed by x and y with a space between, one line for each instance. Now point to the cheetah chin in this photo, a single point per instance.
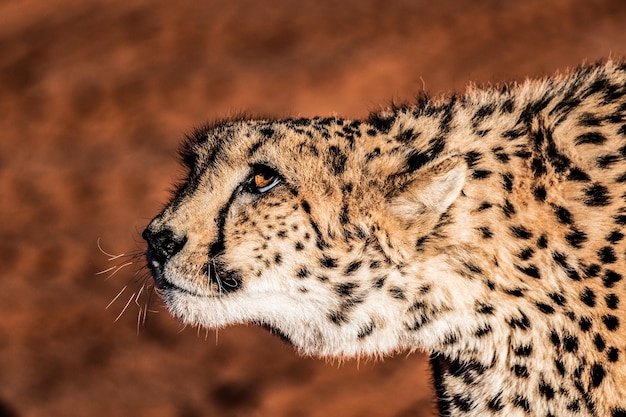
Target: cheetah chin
pixel 486 229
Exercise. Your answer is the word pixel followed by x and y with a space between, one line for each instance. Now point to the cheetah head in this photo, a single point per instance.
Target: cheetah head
pixel 296 226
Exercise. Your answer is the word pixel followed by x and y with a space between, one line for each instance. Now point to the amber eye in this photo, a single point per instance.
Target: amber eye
pixel 263 179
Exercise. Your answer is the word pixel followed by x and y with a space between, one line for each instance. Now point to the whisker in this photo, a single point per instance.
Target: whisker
pixel 117 269
pixel 106 270
pixel 110 255
pixel 124 309
pixel 116 297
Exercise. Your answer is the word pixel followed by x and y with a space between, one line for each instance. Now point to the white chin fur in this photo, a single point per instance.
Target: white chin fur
pixel 303 327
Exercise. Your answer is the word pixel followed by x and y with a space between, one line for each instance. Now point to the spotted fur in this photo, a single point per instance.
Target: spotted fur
pixel 486 229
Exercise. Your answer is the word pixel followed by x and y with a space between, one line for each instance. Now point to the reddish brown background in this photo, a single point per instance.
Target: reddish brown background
pixel 94 98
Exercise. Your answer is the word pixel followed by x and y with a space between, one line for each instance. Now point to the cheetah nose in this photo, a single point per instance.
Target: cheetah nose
pixel 162 244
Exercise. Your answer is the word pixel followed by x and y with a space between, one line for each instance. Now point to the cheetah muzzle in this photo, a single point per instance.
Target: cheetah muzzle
pixel 486 229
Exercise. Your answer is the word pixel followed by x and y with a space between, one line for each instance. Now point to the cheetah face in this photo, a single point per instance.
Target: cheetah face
pixel 275 226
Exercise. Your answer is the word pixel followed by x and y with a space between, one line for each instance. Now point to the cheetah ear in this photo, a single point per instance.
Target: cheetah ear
pixel 424 197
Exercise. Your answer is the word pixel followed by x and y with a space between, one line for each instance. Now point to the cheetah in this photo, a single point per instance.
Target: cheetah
pixel 486 229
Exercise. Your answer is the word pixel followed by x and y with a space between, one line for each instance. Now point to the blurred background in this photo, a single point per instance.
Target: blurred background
pixel 94 99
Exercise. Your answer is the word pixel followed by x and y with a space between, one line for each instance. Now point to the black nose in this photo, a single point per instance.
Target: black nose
pixel 163 244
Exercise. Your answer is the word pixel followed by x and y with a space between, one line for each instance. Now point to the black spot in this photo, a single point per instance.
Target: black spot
pixel 515 292
pixel 472 157
pixel 576 238
pixel 406 136
pixel 303 272
pixel 485 232
pixel 560 367
pixel 605 161
pixel 278 259
pixel 546 390
pixel 328 262
pixel 540 193
pixel 597 195
pixel 607 255
pixel 558 298
pixel 570 343
pixel 513 133
pixel 520 371
pixel 495 403
pixel 542 242
pixel 526 254
pixel 588 297
pixel 530 270
pixel 379 282
pixel 615 236
pixel 521 232
pixel 538 167
pixel 613 354
pixel 381 122
pixel 337 159
pixel 462 403
pixel 594 138
pixel 481 174
pixel 592 270
pixel 619 412
pixel 337 317
pixel 352 267
pixel 574 406
pixel 508 208
pixel 597 374
pixel 473 269
pixel 585 324
pixel 346 289
pixel 589 119
pixel 611 278
pixel 562 261
pixel 366 330
pixel 524 351
pixel 577 174
pixel 485 309
pixel 563 215
pixel 519 322
pixel 299 246
pixel 482 113
pixel 545 308
pixel 450 339
pixel 521 402
pixel 507 181
pixel 621 178
pixel 599 342
pixel 482 331
pixel 484 206
pixel 612 301
pixel 620 219
pixel 397 293
pixel 611 322
pixel 501 156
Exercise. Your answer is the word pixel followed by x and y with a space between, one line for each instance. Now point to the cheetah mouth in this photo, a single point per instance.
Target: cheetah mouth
pixel 226 281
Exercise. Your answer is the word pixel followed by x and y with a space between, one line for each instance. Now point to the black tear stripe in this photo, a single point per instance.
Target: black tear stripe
pixel 234 278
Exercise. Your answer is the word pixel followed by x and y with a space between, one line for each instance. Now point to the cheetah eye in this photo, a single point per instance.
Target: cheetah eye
pixel 263 179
